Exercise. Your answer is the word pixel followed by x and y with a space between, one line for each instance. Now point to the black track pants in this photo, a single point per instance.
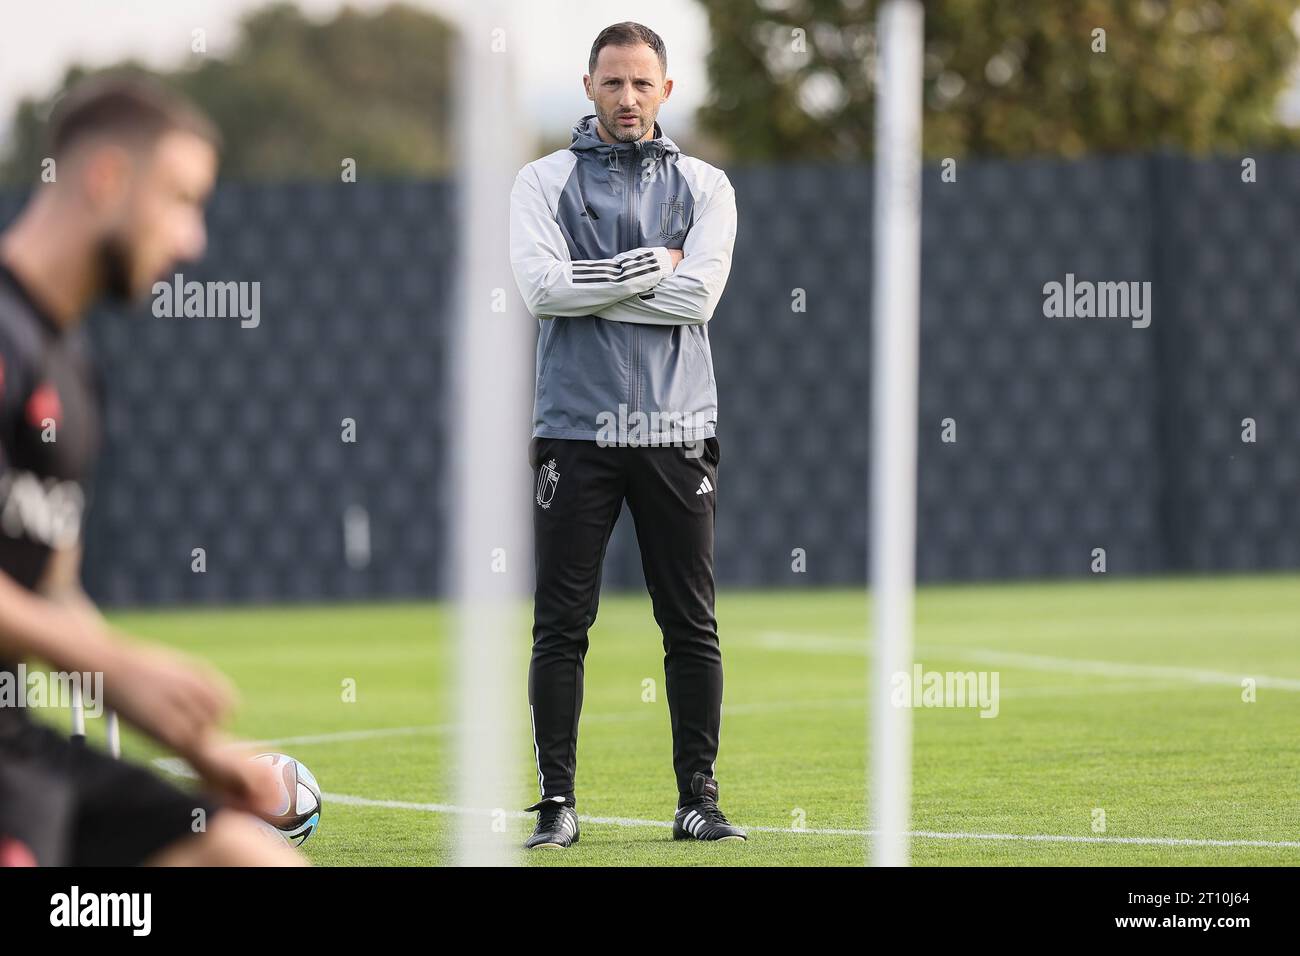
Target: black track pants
pixel 579 489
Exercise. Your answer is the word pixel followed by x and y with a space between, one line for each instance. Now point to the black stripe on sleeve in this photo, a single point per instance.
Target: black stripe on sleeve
pixel 654 267
pixel 588 265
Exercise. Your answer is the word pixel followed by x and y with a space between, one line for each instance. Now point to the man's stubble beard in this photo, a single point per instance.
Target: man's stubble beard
pixel 610 122
pixel 114 259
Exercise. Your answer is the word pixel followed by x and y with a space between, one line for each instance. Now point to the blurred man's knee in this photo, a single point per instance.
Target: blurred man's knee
pixel 232 839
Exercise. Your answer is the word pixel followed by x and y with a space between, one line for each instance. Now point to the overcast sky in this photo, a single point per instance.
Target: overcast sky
pixel 42 37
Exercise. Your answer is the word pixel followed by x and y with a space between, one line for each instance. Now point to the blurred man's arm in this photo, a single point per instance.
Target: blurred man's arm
pixel 691 293
pixel 554 285
pixel 31 626
pixel 221 763
pixel 171 698
pixel 61 584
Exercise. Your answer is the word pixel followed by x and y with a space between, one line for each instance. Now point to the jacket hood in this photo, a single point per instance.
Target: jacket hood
pixel 586 139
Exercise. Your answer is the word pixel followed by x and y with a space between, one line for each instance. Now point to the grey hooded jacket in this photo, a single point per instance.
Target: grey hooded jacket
pixel 623 351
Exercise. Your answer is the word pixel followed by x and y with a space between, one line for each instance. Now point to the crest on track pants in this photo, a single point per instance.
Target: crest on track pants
pixel 547 479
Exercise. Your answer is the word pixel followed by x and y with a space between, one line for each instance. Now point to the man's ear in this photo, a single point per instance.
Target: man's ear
pixel 586 87
pixel 106 168
pixel 668 89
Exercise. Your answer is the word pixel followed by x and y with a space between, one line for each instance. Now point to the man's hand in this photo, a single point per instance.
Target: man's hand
pixel 170 697
pixel 676 256
pixel 230 771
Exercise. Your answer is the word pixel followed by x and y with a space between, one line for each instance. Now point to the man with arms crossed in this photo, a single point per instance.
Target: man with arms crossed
pixel 133 168
pixel 621 246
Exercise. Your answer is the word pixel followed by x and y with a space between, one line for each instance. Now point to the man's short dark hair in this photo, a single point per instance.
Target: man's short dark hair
pixel 126 106
pixel 628 33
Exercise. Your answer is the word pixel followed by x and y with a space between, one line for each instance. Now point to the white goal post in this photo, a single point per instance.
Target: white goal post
pixel 895 306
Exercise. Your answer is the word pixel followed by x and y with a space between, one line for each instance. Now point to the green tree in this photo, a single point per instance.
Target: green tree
pixel 294 97
pixel 794 78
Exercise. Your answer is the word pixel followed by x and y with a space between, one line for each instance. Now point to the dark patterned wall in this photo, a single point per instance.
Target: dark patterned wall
pixel 229 438
pixel 1072 434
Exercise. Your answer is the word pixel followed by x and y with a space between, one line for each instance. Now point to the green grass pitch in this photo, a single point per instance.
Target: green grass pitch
pixel 1121 698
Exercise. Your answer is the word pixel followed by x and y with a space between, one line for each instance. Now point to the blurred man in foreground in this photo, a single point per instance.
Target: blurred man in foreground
pixel 133 166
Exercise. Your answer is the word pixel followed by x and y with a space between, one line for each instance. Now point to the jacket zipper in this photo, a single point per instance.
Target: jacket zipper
pixel 632 242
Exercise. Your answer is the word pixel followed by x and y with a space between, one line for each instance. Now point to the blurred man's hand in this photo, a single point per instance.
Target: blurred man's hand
pixel 230 772
pixel 172 698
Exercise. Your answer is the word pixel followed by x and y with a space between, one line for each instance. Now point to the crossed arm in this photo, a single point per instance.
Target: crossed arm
pixel 648 286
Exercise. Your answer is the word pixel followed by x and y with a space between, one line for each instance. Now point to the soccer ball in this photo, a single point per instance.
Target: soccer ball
pixel 297 811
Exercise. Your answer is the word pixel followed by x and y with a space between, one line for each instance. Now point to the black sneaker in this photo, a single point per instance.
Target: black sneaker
pixel 557 825
pixel 700 818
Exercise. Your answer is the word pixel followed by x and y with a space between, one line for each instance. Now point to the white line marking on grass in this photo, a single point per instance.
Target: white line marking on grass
pixel 329 738
pixel 822 644
pixel 1092 690
pixel 1116 669
pixel 175 766
pixel 178 767
pixel 592 718
pixel 728 710
pixel 826 831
